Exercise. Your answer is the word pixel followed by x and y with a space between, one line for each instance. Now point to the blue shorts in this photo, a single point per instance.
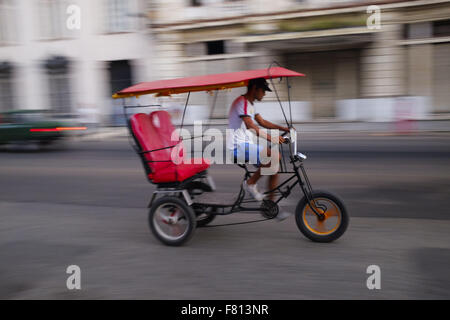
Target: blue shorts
pixel 248 152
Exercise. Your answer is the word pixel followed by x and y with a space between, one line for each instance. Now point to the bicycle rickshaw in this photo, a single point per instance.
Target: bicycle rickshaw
pixel 185 195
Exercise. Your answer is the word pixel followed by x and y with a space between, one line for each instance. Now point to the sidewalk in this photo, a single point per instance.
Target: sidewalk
pixel 321 126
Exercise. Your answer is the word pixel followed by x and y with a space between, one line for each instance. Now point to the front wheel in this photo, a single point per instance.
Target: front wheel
pixel 332 222
pixel 172 221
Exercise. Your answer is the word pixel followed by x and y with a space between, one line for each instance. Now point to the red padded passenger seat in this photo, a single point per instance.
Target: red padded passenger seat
pixel 154 131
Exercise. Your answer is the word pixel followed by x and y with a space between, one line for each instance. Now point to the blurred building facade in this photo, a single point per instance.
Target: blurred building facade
pixel 400 70
pixel 353 72
pixel 69 56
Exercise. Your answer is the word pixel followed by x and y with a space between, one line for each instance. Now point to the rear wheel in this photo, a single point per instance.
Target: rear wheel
pixel 172 221
pixel 332 222
pixel 206 217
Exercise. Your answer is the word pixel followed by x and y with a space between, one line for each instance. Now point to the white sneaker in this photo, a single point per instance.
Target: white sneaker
pixel 251 188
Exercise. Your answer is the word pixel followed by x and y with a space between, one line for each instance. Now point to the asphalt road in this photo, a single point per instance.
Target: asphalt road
pixel 86 204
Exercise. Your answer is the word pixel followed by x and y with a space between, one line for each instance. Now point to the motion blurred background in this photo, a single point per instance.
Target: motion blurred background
pixel 70 56
pixel 373 115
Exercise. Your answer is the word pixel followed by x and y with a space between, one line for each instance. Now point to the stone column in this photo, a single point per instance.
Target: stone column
pixel 168 54
pixel 383 64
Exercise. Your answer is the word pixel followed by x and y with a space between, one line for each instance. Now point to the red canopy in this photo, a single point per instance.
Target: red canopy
pixel 204 83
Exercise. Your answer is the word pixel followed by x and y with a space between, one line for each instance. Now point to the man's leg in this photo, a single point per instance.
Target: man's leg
pixel 255 177
pixel 253 154
pixel 273 179
pixel 273 182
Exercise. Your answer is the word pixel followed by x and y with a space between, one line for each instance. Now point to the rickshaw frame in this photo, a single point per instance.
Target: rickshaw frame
pixel 181 187
pixel 176 190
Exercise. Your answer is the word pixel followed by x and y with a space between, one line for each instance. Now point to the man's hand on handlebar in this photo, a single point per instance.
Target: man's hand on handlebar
pixel 273 139
pixel 283 138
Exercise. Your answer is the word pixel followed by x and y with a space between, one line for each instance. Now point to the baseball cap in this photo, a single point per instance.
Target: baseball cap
pixel 259 83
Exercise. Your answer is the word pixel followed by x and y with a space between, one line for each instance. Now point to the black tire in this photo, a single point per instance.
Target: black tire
pixel 184 212
pixel 52 145
pixel 205 218
pixel 196 188
pixel 44 143
pixel 338 218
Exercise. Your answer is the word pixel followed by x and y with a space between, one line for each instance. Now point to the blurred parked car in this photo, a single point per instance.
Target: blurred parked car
pixel 33 126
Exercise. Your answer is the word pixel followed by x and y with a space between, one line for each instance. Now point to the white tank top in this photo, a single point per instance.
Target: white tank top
pixel 239 133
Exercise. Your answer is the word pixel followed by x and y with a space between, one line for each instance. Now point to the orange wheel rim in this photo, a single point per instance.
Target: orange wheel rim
pixel 329 224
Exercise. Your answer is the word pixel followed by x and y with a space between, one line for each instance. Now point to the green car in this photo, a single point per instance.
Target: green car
pixel 32 126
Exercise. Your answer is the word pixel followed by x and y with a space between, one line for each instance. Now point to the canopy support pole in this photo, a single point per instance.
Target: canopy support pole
pixel 276 92
pixel 184 112
pixel 289 99
pixel 212 109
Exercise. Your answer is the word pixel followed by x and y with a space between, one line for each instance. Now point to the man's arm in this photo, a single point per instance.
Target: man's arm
pixel 252 126
pixel 267 124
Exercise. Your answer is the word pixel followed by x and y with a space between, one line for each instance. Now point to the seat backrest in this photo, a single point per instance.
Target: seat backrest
pixel 161 122
pixel 149 138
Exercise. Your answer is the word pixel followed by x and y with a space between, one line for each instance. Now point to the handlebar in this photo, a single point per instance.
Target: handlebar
pixel 287 140
pixel 292 139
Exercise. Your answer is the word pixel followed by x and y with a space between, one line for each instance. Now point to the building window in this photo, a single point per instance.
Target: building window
pixel 52 19
pixel 118 16
pixel 120 76
pixel 7 22
pixel 196 3
pixel 215 47
pixel 6 87
pixel 419 30
pixel 60 100
pixel 441 28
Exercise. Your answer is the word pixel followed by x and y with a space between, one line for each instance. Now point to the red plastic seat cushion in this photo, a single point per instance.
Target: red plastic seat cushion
pixel 150 139
pixel 155 131
pixel 179 172
pixel 163 125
